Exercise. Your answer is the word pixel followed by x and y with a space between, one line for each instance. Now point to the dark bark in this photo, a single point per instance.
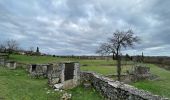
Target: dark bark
pixel 113 57
pixel 119 68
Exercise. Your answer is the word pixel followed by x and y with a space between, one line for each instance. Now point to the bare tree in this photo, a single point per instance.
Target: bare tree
pixel 120 39
pixel 11 46
pixel 31 49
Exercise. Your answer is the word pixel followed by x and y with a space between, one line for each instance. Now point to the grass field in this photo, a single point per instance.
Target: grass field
pixel 100 66
pixel 17 85
pixel 36 59
pixel 160 87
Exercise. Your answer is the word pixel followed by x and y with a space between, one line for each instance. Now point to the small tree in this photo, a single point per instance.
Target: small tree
pixel 127 57
pixel 119 40
pixel 37 50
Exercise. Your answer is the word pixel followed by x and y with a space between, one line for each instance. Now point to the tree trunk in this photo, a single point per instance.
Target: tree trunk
pixel 113 56
pixel 119 67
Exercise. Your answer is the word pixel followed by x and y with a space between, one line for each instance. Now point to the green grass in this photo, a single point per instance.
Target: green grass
pixel 80 93
pixel 102 66
pixel 160 87
pixel 17 85
pixel 36 59
pixel 100 69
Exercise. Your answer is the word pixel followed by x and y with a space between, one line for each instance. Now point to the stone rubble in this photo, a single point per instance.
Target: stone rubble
pixel 66 96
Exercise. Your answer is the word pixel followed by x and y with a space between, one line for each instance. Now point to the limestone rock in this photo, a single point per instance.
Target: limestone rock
pixel 58 86
pixel 66 96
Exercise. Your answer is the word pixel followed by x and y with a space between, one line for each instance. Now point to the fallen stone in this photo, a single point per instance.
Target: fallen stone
pixel 87 85
pixel 66 96
pixel 58 86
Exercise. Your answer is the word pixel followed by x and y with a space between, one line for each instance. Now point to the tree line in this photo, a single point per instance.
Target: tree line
pixel 12 46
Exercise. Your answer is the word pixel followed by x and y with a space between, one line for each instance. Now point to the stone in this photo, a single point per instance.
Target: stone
pixel 141 70
pixel 2 61
pixel 66 96
pixel 139 73
pixel 87 84
pixel 38 70
pixel 11 64
pixel 58 86
pixel 67 73
pixel 55 80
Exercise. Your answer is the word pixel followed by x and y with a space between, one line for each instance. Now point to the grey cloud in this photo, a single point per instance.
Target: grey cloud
pixel 77 27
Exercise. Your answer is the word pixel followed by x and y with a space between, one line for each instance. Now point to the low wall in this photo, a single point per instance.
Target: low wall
pixel 115 90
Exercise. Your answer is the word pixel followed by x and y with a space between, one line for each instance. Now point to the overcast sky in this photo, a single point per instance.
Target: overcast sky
pixel 76 27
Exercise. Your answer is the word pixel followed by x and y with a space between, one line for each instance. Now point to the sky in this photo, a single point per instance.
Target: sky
pixel 77 27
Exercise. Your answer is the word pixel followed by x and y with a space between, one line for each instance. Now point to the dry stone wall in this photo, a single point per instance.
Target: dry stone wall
pixel 38 70
pixel 2 61
pixel 61 74
pixel 55 74
pixel 115 90
pixel 11 64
